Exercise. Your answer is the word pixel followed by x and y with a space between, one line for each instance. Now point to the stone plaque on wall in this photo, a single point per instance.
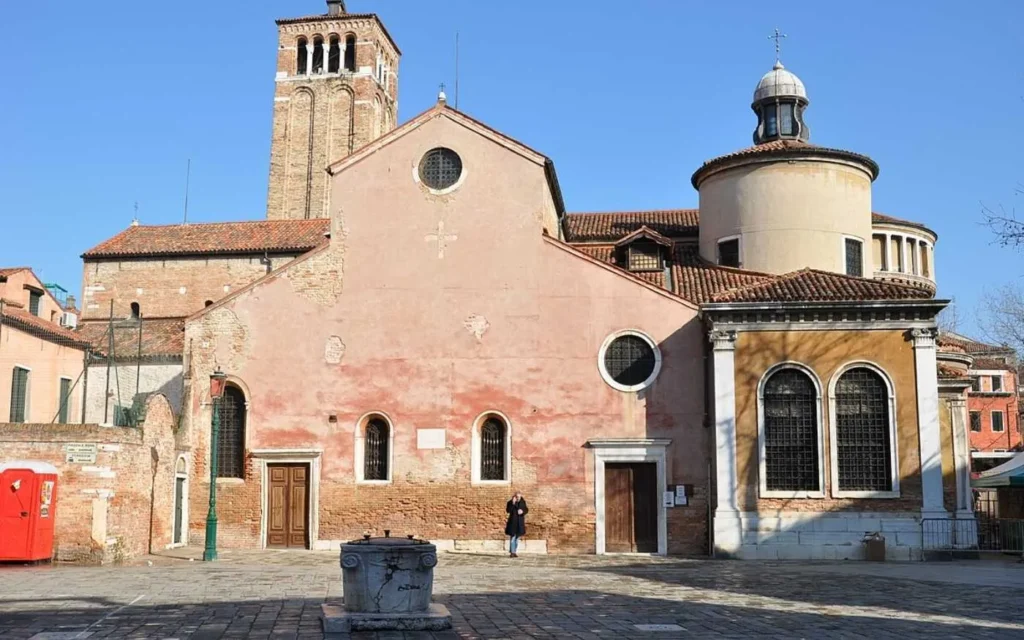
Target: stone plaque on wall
pixel 80 452
pixel 430 439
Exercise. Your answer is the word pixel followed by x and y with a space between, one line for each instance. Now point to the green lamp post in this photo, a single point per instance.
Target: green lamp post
pixel 217 380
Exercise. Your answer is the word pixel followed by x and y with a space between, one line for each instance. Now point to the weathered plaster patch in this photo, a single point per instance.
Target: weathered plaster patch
pixel 334 351
pixel 476 325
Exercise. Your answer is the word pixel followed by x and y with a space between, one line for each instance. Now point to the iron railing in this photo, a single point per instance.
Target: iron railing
pixel 949 538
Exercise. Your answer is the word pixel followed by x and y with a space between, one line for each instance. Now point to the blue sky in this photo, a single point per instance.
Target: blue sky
pixel 104 103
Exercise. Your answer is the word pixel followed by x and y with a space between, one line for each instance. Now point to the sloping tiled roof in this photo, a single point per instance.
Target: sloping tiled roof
pixel 7 271
pixel 30 323
pixel 881 218
pixel 783 148
pixel 160 338
pixel 275 236
pixel 811 285
pixel 612 226
pixel 967 345
pixel 993 363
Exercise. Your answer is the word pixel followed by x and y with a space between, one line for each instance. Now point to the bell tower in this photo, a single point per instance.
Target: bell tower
pixel 336 90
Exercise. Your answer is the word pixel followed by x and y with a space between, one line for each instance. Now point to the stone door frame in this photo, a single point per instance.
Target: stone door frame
pixel 265 457
pixel 629 450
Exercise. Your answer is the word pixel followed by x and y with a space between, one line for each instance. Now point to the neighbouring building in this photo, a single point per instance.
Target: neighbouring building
pixel 420 327
pixel 41 358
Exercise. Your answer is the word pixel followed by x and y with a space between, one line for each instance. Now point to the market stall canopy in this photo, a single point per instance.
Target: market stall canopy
pixel 1008 474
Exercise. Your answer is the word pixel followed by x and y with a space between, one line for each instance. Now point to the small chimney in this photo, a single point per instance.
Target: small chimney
pixel 70 302
pixel 335 7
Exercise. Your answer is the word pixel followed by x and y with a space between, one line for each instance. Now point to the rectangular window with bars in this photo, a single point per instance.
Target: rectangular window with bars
pixel 64 400
pixel 19 395
pixel 976 421
pixel 997 422
pixel 854 257
pixel 729 253
pixel 644 256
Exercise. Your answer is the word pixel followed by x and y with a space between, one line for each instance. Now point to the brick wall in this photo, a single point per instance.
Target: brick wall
pixel 166 287
pixel 103 510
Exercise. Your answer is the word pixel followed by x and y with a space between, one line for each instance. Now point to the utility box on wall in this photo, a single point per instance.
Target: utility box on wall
pixel 28 508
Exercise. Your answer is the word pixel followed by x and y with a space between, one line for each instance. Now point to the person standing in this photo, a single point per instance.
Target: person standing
pixel 515 527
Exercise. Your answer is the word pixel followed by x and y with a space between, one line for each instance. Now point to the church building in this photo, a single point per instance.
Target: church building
pixel 420 327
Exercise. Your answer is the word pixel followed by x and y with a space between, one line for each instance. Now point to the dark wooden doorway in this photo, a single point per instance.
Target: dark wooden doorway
pixel 179 499
pixel 288 505
pixel 631 507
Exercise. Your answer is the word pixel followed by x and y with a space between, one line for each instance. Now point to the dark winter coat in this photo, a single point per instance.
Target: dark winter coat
pixel 516 525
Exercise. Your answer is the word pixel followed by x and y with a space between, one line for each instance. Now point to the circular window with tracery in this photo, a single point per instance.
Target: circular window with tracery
pixel 440 168
pixel 629 361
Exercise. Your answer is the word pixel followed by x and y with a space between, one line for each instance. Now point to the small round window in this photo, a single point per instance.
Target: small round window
pixel 440 168
pixel 629 361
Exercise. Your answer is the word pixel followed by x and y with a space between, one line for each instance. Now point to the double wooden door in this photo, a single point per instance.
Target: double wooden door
pixel 631 507
pixel 288 505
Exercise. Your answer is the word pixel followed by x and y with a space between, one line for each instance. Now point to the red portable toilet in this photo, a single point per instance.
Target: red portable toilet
pixel 28 506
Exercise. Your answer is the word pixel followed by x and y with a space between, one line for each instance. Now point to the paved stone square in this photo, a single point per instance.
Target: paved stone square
pixel 277 594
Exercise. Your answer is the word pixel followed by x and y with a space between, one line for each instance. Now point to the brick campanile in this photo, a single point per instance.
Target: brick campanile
pixel 336 90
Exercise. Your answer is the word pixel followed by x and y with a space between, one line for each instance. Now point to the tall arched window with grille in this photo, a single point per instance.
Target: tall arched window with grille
pixel 302 57
pixel 492 449
pixel 863 451
pixel 375 455
pixel 790 432
pixel 334 55
pixel 318 55
pixel 350 52
pixel 231 440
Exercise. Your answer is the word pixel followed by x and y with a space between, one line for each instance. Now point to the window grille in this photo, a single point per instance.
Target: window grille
pixel 350 53
pixel 492 450
pixel 302 58
pixel 64 400
pixel 440 168
pixel 334 56
pixel 19 394
pixel 854 258
pixel 729 253
pixel 975 421
pixel 231 440
pixel 791 432
pixel 644 256
pixel 629 360
pixel 375 459
pixel 997 421
pixel 862 432
pixel 997 383
pixel 33 302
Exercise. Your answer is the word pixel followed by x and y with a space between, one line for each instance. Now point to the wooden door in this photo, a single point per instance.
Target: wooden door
pixel 287 505
pixel 179 497
pixel 631 507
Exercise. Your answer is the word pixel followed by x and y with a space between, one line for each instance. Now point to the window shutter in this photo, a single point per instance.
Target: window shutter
pixel 19 394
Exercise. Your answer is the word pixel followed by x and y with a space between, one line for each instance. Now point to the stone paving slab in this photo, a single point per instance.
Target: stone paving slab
pixel 273 594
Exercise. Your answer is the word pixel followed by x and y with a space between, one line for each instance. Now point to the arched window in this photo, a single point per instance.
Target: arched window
pixel 492 449
pixel 135 311
pixel 790 413
pixel 334 55
pixel 375 456
pixel 350 53
pixel 302 58
pixel 863 432
pixel 231 440
pixel 318 55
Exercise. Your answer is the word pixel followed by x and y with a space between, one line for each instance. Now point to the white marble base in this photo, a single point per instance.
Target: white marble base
pixel 337 620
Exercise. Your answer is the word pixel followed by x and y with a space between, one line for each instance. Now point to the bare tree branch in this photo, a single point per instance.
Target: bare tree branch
pixel 1009 231
pixel 1001 316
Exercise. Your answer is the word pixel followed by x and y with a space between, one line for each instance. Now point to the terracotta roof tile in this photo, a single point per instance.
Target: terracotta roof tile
pixel 881 218
pixel 956 342
pixel 162 337
pixel 782 148
pixel 7 271
pixel 612 226
pixel 811 285
pixel 275 236
pixel 995 363
pixel 52 332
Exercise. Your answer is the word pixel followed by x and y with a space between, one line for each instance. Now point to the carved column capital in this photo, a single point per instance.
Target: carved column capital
pixel 923 338
pixel 722 340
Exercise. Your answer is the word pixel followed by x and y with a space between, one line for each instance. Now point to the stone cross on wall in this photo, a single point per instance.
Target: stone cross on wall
pixel 441 238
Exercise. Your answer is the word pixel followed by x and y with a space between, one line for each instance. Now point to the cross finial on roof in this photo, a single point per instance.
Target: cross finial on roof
pixel 135 219
pixel 777 37
pixel 441 97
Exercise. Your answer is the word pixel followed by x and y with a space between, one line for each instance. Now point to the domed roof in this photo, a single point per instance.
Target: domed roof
pixel 779 82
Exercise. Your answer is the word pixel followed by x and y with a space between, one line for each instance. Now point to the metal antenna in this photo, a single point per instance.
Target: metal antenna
pixel 456 70
pixel 188 174
pixel 777 36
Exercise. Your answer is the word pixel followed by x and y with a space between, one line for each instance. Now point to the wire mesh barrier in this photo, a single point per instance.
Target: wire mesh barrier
pixel 965 538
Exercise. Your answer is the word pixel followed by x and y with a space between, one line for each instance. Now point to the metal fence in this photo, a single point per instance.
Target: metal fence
pixel 965 538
